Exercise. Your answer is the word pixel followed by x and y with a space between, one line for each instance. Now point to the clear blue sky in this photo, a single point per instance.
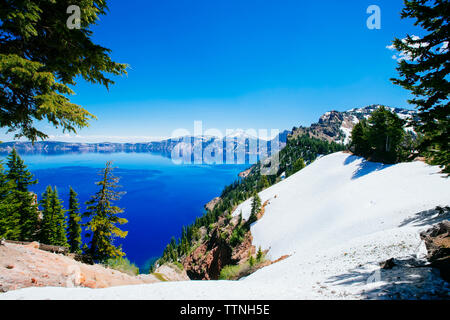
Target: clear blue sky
pixel 239 64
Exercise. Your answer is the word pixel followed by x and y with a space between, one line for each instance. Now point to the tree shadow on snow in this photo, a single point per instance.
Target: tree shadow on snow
pixel 365 167
pixel 427 217
pixel 350 159
pixel 408 279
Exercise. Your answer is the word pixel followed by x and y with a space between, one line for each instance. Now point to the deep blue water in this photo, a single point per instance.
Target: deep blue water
pixel 161 196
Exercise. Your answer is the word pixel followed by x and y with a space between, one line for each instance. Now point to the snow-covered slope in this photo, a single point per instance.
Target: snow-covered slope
pixel 337 218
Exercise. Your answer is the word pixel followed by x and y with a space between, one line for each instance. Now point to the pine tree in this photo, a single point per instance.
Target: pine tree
pixel 22 178
pixel 103 218
pixel 18 172
pixel 173 249
pixel 381 137
pixel 263 182
pixel 359 139
pixel 251 261
pixel 74 224
pixel 424 72
pixel 298 165
pixel 9 213
pixel 53 226
pixel 256 207
pixel 385 135
pixel 47 234
pixel 60 220
pixel 259 255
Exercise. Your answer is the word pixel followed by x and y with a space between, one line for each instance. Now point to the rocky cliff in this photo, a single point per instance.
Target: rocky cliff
pixel 216 248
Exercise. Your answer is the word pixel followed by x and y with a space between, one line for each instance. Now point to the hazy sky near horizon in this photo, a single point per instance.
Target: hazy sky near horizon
pixel 232 64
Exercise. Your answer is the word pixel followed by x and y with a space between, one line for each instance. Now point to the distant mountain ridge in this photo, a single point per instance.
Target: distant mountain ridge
pixel 164 147
pixel 332 126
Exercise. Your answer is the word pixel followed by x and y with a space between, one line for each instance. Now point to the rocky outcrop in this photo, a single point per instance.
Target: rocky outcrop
pixel 244 174
pixel 211 205
pixel 336 126
pixel 437 241
pixel 24 266
pixel 214 251
pixel 208 259
pixel 170 272
pixel 244 250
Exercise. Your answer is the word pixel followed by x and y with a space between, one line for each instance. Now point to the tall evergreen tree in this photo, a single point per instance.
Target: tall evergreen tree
pixel 359 140
pixel 53 225
pixel 256 208
pixel 60 219
pixel 18 172
pixel 298 165
pixel 424 72
pixel 263 182
pixel 47 234
pixel 9 213
pixel 381 138
pixel 104 217
pixel 385 135
pixel 22 178
pixel 74 224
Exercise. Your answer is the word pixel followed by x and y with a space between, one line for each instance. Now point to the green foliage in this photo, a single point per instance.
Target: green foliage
pixel 256 208
pixel 9 208
pixel 385 135
pixel 381 137
pixel 230 272
pixel 104 217
pixel 18 172
pixel 425 75
pixel 259 255
pixel 298 165
pixel 60 220
pixel 47 224
pixel 74 223
pixel 305 148
pixel 178 265
pixel 53 225
pixel 238 234
pixel 40 58
pixel 235 272
pixel 360 139
pixel 26 202
pixel 123 265
pixel 263 183
pixel 159 276
pixel 251 261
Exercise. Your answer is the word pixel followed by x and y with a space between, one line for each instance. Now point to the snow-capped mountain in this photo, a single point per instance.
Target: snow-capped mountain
pixel 337 125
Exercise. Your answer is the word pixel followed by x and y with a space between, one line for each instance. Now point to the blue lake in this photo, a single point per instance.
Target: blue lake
pixel 161 196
